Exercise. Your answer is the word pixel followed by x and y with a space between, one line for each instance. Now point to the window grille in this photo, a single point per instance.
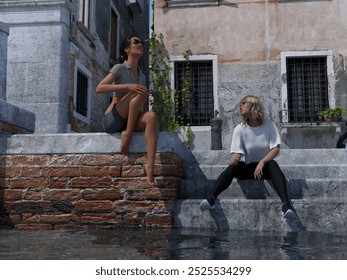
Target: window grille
pixel 82 94
pixel 195 107
pixel 307 88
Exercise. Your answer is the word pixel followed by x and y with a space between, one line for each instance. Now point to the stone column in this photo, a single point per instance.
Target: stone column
pixel 4 32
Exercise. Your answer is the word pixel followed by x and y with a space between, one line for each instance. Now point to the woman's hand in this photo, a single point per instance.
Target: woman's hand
pixel 137 88
pixel 258 173
pixel 234 159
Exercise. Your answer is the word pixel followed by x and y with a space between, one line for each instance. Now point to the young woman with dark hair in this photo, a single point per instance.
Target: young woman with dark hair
pixel 125 114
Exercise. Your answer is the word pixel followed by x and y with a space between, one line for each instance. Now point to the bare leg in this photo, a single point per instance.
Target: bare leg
pixel 149 122
pixel 130 108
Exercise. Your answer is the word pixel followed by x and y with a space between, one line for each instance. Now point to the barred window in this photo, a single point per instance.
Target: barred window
pixel 82 94
pixel 307 83
pixel 195 107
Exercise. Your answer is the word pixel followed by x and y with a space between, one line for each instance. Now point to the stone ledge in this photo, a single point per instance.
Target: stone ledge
pixel 22 120
pixel 90 143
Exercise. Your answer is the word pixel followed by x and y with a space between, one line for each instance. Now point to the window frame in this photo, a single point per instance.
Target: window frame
pixel 214 60
pixel 80 67
pixel 114 10
pixel 284 89
pixel 84 12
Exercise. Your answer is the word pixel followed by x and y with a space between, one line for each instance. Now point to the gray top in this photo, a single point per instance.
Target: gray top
pixel 122 73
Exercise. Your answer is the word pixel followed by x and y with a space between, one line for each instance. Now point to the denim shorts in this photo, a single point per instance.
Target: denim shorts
pixel 113 122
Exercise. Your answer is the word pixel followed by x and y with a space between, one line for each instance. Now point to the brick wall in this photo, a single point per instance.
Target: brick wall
pixel 62 191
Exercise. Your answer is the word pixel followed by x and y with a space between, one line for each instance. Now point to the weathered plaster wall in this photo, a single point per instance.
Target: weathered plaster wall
pixel 248 37
pixel 254 30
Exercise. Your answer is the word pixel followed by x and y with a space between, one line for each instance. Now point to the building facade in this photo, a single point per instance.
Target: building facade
pixel 58 51
pixel 293 54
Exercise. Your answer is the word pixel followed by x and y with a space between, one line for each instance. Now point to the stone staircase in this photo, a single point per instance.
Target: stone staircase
pixel 317 188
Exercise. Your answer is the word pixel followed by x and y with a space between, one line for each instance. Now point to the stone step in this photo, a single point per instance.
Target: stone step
pixel 327 215
pixel 261 189
pixel 298 171
pixel 286 157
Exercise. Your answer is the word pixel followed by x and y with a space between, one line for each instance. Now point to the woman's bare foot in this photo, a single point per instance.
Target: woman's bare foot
pixel 150 176
pixel 125 142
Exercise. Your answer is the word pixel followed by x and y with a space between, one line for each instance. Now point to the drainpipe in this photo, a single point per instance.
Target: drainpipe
pixel 216 132
pixel 4 32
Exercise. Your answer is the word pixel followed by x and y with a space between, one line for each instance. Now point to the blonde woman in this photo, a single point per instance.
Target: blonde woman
pixel 258 141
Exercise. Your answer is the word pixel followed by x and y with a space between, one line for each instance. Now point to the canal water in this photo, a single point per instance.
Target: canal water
pixel 176 244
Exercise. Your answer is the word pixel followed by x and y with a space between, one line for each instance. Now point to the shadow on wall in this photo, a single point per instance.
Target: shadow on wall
pixel 5 219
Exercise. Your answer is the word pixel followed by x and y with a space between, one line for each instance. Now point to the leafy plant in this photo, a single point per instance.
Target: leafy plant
pixel 165 100
pixel 332 114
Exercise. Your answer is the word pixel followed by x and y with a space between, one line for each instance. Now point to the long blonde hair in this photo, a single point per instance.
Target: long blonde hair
pixel 256 108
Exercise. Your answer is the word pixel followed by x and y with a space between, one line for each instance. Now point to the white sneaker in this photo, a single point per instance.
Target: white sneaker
pixel 205 205
pixel 289 214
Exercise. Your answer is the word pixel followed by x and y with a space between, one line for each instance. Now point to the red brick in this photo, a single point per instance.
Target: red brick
pixel 93 206
pixel 70 195
pixel 62 171
pixel 133 171
pixel 28 183
pixel 31 171
pixel 100 218
pixel 162 219
pixel 59 183
pixel 59 218
pixel 123 183
pixel 91 182
pixel 103 160
pixel 113 171
pixel 15 218
pixel 12 171
pixel 31 218
pixel 27 160
pixel 32 195
pixel 151 193
pixel 12 195
pixel 133 219
pixel 103 194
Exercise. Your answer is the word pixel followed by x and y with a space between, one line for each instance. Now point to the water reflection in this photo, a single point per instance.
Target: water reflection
pixel 177 244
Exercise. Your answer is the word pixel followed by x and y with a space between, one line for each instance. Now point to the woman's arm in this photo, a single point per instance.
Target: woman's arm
pixel 234 159
pixel 258 173
pixel 107 86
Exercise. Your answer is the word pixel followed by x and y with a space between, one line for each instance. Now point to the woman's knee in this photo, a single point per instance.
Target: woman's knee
pixel 274 168
pixel 272 164
pixel 137 100
pixel 151 117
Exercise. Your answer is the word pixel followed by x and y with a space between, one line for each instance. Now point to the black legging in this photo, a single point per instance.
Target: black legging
pixel 242 170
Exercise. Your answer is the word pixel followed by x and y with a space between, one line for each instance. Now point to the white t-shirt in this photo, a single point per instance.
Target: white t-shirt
pixel 254 143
